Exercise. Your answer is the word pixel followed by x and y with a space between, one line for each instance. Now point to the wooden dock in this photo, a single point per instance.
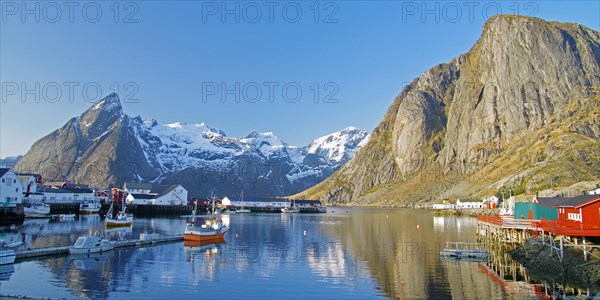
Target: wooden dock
pixel 64 250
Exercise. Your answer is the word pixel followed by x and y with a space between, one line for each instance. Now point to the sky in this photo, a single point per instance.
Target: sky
pixel 300 69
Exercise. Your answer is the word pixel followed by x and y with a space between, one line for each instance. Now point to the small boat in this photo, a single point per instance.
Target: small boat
pixel 121 219
pixel 213 228
pixel 242 209
pixel 91 244
pixel 37 210
pixel 290 209
pixel 7 256
pixel 464 250
pixel 89 207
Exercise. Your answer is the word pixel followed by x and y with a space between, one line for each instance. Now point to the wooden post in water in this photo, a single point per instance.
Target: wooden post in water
pixel 585 256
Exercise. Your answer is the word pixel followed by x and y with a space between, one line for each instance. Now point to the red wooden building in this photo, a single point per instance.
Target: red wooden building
pixel 577 216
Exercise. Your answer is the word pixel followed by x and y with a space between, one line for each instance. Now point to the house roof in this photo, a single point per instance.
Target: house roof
pixel 55 183
pixel 3 171
pixel 162 190
pixel 580 201
pixel 137 186
pixel 55 190
pixel 549 201
pixel 29 174
pixel 143 196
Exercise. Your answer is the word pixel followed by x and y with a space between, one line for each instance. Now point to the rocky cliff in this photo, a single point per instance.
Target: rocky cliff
pixel 519 110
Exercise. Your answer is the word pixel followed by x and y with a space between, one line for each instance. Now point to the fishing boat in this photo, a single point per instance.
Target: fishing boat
pixel 213 228
pixel 290 209
pixel 242 209
pixel 7 256
pixel 464 250
pixel 91 244
pixel 7 252
pixel 89 207
pixel 120 219
pixel 37 210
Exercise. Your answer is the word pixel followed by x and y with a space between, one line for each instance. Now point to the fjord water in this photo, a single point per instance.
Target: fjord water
pixel 347 253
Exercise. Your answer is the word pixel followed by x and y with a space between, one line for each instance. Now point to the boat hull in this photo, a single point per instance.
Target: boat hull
pixel 194 237
pixel 119 223
pixel 89 211
pixel 7 257
pixel 104 248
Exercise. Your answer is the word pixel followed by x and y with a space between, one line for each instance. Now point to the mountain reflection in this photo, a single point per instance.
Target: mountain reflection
pixel 401 250
pixel 355 253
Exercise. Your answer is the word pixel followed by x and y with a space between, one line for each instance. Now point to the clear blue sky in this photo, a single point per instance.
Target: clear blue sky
pixel 177 52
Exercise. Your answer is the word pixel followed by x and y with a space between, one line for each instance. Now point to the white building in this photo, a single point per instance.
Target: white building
pixel 444 206
pixel 474 204
pixel 11 189
pixel 138 187
pixel 159 195
pixel 594 191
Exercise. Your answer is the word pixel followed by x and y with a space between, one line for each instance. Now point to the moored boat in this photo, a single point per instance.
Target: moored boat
pixel 89 207
pixel 290 209
pixel 242 209
pixel 37 210
pixel 213 228
pixel 122 218
pixel 7 256
pixel 91 244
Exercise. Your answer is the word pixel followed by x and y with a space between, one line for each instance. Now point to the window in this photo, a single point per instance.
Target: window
pixel 17 190
pixel 3 180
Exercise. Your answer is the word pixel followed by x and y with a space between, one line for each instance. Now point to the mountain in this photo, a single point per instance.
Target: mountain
pixel 10 161
pixel 106 147
pixel 520 110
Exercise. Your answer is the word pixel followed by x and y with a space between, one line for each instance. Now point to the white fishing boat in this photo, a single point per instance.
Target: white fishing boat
pixel 120 219
pixel 213 228
pixel 7 252
pixel 37 210
pixel 7 256
pixel 91 244
pixel 89 207
pixel 290 209
pixel 242 209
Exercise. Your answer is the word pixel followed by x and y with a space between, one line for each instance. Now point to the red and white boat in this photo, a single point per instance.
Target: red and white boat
pixel 120 219
pixel 213 228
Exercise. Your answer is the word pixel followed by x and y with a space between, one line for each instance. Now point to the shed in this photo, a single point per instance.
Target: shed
pixel 535 211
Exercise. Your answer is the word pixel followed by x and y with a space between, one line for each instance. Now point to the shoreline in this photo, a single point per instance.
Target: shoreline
pixel 573 270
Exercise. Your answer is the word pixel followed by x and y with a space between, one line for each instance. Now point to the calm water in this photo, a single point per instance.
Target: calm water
pixel 346 253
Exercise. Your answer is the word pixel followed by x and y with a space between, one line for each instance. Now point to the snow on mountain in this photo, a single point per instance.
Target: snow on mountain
pixel 339 146
pixel 105 140
pixel 182 145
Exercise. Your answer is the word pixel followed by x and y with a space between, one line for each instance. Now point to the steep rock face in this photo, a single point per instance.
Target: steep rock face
pixel 105 147
pixel 479 109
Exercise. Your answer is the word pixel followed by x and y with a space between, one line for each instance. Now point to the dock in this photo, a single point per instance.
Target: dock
pixel 64 250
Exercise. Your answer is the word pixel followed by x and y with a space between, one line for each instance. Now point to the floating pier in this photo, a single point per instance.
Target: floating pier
pixel 64 250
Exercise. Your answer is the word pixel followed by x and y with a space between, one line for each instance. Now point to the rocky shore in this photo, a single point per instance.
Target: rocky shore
pixel 573 270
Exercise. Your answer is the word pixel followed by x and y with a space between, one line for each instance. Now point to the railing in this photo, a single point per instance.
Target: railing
pixel 509 223
pixel 559 227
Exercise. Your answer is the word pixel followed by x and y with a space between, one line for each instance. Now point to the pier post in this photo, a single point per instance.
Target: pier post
pixel 562 253
pixel 585 256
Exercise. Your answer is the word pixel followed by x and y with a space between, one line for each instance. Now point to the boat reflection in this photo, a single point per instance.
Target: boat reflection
pixel 204 258
pixel 91 261
pixel 6 271
pixel 118 233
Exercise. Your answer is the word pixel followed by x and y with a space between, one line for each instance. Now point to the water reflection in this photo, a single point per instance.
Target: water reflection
pixel 361 253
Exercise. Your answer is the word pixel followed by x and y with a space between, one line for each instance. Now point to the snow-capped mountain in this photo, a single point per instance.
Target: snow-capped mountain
pixel 104 146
